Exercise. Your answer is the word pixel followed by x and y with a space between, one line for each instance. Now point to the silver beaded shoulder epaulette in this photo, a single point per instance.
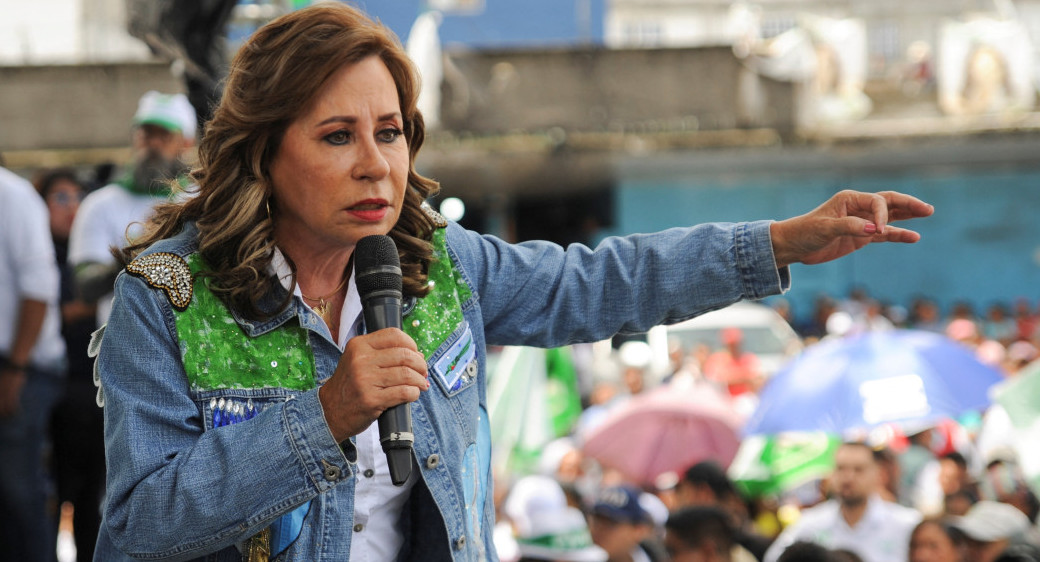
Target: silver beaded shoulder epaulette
pixel 168 272
pixel 437 218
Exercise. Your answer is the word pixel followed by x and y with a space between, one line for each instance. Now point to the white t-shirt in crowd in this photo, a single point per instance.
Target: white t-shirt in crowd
pixel 108 217
pixel 28 269
pixel 882 535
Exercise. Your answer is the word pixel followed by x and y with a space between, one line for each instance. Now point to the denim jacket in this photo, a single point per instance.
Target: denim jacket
pixel 178 490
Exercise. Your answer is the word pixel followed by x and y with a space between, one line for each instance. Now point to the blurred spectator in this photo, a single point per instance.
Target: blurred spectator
pixel 918 74
pixel 816 327
pixel 32 366
pixel 845 555
pixel 936 540
pixel 706 484
pixel 958 503
pixel 164 129
pixel 1003 482
pixel 919 472
pixel 1025 319
pixel 740 371
pixel 993 528
pixel 873 318
pixel 804 551
pixel 954 474
pixel 925 315
pixel 634 379
pixel 888 474
pixel 999 325
pixel 544 527
pixel 702 534
pixel 857 519
pixel 623 520
pixel 1019 354
pixel 77 425
pixel 964 331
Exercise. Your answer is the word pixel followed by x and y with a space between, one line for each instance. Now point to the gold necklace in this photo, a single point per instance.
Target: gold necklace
pixel 322 308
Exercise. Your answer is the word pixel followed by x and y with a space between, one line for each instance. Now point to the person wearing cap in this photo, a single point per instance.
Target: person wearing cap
pixel 995 529
pixel 545 527
pixel 240 381
pixel 163 131
pixel 857 519
pixel 623 523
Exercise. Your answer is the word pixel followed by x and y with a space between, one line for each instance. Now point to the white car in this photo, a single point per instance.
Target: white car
pixel 766 333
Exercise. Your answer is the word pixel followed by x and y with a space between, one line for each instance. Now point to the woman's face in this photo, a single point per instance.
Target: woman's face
pixel 930 544
pixel 341 170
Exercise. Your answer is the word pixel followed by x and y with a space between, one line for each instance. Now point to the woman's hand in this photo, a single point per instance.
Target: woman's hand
pixel 845 223
pixel 376 371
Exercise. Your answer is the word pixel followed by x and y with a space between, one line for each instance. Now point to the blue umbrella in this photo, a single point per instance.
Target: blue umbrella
pixel 902 377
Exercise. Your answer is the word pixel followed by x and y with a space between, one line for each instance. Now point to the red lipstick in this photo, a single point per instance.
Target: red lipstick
pixel 370 210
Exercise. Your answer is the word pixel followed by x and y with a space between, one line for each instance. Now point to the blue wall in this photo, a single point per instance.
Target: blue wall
pixel 502 22
pixel 982 245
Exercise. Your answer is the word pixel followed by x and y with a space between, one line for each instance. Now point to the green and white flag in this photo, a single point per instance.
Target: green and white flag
pixel 533 399
pixel 773 464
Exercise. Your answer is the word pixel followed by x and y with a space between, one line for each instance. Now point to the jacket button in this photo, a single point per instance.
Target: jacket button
pixel 433 460
pixel 332 473
pixel 358 528
pixel 369 473
pixel 460 543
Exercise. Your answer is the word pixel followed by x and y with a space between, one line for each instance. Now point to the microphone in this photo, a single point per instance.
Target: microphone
pixel 379 285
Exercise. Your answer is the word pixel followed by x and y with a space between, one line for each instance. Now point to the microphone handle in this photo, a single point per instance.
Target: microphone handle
pixel 395 423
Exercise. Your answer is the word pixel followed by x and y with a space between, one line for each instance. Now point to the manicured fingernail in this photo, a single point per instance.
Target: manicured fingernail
pixel 427 384
pixel 870 228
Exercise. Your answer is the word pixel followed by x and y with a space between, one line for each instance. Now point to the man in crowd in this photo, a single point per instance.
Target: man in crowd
pixel 32 366
pixel 706 484
pixel 164 130
pixel 622 523
pixel 857 519
pixel 701 534
pixel 996 530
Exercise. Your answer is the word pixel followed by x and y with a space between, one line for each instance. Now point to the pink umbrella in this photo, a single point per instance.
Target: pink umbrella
pixel 666 429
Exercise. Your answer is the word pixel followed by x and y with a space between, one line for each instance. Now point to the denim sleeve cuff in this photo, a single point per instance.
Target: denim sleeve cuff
pixel 325 461
pixel 756 262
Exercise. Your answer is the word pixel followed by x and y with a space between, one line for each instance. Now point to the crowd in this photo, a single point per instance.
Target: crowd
pixel 922 500
pixel 936 494
pixel 1005 334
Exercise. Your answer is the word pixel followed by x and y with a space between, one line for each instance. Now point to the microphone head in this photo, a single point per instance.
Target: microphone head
pixel 378 266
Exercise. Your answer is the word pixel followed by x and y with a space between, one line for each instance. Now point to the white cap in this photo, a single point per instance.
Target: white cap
pixel 171 111
pixel 989 521
pixel 545 526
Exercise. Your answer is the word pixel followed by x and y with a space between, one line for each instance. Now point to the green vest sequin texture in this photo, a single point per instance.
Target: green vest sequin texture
pixel 217 354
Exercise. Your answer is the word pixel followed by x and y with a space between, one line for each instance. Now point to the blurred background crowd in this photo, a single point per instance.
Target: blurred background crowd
pixel 718 428
pixel 885 409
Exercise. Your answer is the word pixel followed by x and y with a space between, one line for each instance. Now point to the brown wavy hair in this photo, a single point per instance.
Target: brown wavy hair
pixel 273 78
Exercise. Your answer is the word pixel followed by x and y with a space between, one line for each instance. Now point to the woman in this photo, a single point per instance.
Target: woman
pixel 934 540
pixel 240 387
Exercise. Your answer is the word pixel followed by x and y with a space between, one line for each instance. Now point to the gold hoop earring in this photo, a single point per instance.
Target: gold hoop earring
pixel 267 205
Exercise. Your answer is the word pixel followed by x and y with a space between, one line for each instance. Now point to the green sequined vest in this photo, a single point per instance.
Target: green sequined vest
pixel 218 354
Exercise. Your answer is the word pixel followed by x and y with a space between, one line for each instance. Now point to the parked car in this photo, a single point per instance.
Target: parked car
pixel 765 333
